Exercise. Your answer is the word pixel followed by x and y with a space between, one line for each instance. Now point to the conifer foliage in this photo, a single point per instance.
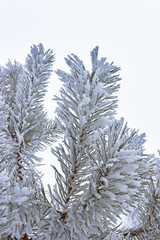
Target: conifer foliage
pixel 24 130
pixel 104 173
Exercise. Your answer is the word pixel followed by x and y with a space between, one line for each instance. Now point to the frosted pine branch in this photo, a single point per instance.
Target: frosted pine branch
pixel 24 130
pixel 105 173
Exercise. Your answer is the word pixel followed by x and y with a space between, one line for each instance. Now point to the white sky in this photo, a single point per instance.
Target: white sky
pixel 127 32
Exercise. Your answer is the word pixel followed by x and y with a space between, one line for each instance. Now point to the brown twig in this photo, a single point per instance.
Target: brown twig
pixel 19 160
pixel 25 237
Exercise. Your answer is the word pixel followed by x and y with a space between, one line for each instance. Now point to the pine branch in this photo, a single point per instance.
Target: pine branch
pixel 104 170
pixel 27 130
pixel 148 215
pixel 87 102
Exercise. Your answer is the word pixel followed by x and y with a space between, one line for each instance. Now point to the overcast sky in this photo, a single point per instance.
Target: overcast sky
pixel 126 31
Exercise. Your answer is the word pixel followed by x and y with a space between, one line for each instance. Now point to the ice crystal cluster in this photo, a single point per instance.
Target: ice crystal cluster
pixel 104 174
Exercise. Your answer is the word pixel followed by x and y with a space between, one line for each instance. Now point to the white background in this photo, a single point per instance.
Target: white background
pixel 127 32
